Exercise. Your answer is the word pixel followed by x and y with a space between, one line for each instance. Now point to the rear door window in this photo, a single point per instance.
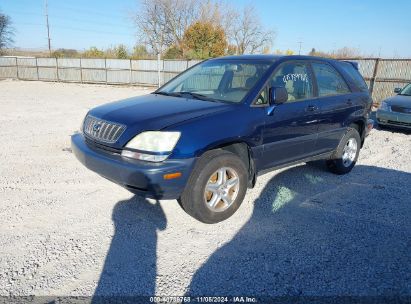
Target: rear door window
pixel 329 80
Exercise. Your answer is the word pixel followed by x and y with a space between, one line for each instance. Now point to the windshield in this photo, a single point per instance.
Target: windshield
pixel 217 80
pixel 406 91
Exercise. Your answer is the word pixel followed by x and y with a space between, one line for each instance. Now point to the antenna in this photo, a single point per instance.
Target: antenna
pixel 48 26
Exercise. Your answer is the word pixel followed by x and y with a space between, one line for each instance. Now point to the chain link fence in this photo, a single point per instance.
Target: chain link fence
pixel 384 75
pixel 381 75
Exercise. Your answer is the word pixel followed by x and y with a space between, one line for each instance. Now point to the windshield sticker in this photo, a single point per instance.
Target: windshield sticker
pixel 295 77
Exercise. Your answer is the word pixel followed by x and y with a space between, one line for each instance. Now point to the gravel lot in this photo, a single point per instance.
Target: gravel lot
pixel 301 231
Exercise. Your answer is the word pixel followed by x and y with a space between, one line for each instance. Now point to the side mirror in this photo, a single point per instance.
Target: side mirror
pixel 278 95
pixel 397 90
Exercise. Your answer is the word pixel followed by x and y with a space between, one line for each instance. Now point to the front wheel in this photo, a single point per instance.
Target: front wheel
pixel 346 155
pixel 216 187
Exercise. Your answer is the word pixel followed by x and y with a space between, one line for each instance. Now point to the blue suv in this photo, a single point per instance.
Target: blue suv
pixel 205 136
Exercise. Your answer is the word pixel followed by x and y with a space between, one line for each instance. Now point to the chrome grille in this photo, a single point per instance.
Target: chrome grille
pixel 102 130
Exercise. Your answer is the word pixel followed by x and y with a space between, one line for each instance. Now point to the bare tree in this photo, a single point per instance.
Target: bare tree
pixel 180 14
pixel 248 34
pixel 162 23
pixel 217 12
pixel 347 52
pixel 151 26
pixel 6 32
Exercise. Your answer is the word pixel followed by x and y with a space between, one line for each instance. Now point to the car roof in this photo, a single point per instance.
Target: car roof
pixel 273 58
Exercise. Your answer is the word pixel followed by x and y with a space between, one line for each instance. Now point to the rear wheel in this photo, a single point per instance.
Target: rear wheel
pixel 346 155
pixel 216 187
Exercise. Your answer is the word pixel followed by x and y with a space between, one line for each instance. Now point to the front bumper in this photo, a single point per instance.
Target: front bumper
pixel 140 177
pixel 394 119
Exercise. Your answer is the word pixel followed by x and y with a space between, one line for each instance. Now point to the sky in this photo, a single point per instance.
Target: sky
pixel 375 27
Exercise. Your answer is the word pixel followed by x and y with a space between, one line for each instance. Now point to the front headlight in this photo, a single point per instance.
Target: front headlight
pixel 152 146
pixel 384 106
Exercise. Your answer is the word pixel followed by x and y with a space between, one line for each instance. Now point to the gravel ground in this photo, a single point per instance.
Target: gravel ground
pixel 301 231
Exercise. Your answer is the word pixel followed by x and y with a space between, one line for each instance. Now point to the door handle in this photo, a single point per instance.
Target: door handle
pixel 311 108
pixel 349 102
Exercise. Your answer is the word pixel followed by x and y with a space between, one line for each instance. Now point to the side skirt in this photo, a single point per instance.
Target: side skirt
pixel 326 155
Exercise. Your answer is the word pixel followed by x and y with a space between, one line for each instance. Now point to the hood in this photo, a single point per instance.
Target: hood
pixel 399 100
pixel 154 112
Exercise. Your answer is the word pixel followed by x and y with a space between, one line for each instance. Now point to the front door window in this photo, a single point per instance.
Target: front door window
pixel 296 78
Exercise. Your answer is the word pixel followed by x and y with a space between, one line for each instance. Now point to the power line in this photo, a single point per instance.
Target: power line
pixel 85 21
pixel 61 17
pixel 29 23
pixel 68 18
pixel 64 9
pixel 23 13
pixel 74 29
pixel 89 12
pixel 91 31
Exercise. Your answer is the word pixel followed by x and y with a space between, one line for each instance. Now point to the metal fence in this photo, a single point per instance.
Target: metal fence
pixel 381 75
pixel 82 70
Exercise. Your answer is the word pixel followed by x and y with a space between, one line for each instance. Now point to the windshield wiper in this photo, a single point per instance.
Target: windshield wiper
pixel 163 93
pixel 192 94
pixel 196 96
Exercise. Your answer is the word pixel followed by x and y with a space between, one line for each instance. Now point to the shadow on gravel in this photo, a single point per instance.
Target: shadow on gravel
pixel 130 265
pixel 314 233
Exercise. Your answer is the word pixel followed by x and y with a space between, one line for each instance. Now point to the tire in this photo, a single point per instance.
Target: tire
pixel 210 171
pixel 346 155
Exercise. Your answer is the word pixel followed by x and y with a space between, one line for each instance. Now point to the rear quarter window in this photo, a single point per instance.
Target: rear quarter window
pixel 329 80
pixel 354 75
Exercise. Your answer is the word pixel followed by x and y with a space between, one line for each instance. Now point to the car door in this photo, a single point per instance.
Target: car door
pixel 335 102
pixel 290 131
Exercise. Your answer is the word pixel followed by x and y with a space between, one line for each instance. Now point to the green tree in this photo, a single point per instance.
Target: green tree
pixel 117 52
pixel 173 52
pixel 204 40
pixel 65 53
pixel 93 52
pixel 140 52
pixel 121 51
pixel 287 52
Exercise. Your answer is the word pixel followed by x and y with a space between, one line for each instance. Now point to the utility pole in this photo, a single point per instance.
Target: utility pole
pixel 48 27
pixel 299 50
